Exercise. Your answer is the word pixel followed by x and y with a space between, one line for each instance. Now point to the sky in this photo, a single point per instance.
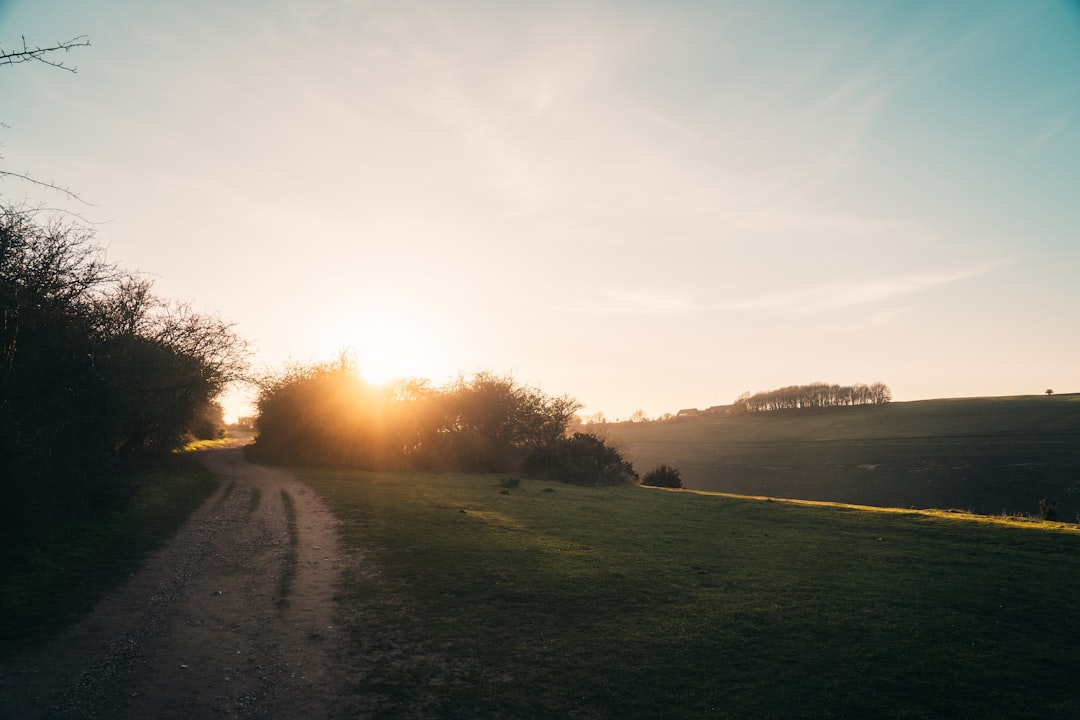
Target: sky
pixel 646 205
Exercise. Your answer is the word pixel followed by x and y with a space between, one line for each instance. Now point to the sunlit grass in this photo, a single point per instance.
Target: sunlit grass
pixel 636 603
pixel 1027 521
pixel 200 445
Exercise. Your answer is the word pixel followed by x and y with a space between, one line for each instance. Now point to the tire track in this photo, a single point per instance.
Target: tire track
pixel 234 618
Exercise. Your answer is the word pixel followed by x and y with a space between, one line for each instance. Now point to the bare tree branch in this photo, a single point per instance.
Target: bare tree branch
pixel 42 54
pixel 41 183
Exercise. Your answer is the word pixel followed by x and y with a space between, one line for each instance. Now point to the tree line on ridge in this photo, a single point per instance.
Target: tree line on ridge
pixel 814 395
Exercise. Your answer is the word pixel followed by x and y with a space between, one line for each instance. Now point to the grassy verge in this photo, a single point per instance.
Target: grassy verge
pixel 56 575
pixel 636 603
pixel 200 445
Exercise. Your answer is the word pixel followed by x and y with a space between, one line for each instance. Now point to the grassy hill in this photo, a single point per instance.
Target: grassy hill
pixel 987 455
pixel 472 600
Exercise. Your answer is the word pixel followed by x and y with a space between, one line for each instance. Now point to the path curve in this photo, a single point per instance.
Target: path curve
pixel 204 629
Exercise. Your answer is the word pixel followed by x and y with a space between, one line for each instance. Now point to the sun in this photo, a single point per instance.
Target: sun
pixel 392 344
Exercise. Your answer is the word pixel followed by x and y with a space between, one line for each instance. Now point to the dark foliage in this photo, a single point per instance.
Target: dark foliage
pixel 489 423
pixel 93 367
pixel 582 459
pixel 209 423
pixel 327 414
pixel 663 476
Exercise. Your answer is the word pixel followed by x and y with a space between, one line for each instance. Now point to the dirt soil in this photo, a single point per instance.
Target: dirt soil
pixel 207 627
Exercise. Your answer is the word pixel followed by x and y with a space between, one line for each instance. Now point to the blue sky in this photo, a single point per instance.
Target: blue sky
pixel 646 205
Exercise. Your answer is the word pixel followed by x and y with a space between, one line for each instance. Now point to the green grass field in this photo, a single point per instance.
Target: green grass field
pixel 56 573
pixel 987 455
pixel 638 603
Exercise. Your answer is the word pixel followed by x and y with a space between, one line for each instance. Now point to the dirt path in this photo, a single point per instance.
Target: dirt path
pixel 212 626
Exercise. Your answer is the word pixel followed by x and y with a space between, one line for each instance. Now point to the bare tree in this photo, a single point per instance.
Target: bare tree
pixel 93 367
pixel 46 55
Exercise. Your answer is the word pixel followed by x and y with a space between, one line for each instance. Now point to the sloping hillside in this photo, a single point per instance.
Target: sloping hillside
pixel 988 455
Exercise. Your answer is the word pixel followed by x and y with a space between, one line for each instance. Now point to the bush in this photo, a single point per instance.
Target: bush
pixel 583 459
pixel 327 414
pixel 663 476
pixel 1048 510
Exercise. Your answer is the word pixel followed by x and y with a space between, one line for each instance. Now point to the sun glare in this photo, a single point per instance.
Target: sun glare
pixel 391 344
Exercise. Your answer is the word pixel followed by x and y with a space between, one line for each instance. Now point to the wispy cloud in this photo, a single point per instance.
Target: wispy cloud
pixel 838 296
pixel 1054 128
pixel 621 302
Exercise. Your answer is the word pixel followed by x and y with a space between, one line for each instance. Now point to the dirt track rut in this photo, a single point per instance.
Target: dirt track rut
pixel 203 629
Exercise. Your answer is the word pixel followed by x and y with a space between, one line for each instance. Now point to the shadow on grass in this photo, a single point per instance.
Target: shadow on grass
pixel 56 573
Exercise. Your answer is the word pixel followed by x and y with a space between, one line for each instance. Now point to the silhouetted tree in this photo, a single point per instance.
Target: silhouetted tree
pixel 493 422
pixel 815 395
pixel 326 413
pixel 92 365
pixel 321 413
pixel 209 423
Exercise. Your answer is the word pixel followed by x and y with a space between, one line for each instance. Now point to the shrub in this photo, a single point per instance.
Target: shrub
pixel 663 476
pixel 1048 510
pixel 583 459
pixel 328 414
